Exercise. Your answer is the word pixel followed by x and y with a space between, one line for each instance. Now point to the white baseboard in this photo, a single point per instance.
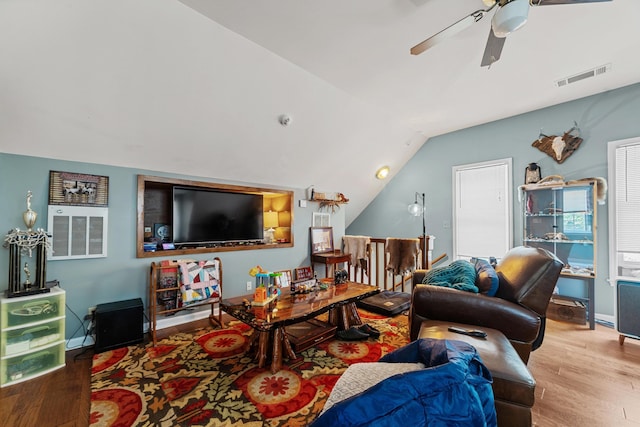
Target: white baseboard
pixel 605 318
pixel 184 316
pixel 78 342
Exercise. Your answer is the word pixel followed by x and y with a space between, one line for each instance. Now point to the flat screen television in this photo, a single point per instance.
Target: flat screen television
pixel 204 216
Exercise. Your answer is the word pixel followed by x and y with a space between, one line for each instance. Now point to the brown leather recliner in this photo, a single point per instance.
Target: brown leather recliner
pixel 527 277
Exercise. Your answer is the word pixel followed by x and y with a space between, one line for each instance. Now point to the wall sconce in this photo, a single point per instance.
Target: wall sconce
pixel 271 223
pixel 383 172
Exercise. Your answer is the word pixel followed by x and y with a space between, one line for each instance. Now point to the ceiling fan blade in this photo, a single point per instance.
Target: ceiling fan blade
pixel 554 2
pixel 450 31
pixel 493 49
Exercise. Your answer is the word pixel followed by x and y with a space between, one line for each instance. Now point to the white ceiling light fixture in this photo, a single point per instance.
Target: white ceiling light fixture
pixel 510 17
pixel 383 172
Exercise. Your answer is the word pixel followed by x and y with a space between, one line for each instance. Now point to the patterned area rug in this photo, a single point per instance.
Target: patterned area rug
pixel 205 378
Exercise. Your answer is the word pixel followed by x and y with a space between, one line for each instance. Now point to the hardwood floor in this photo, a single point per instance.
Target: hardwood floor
pixel 584 378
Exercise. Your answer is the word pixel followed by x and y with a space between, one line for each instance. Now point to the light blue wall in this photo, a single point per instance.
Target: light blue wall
pixel 605 117
pixel 121 275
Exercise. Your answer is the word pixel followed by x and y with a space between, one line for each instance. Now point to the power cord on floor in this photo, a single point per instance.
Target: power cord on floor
pixel 86 334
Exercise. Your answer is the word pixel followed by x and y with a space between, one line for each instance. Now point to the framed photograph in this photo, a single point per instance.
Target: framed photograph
pixel 321 240
pixel 304 273
pixel 320 219
pixel 78 189
pixel 162 232
pixel 285 278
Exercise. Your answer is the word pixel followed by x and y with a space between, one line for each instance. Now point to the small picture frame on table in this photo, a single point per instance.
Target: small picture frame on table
pixel 284 278
pixel 304 273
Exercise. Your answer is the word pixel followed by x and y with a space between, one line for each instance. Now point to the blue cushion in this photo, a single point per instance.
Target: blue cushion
pixel 486 277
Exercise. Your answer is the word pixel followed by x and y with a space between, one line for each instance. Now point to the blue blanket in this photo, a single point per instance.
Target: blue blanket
pixel 453 390
pixel 460 274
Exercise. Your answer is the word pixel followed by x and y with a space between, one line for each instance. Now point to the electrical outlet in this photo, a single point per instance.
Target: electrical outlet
pixel 249 286
pixel 91 327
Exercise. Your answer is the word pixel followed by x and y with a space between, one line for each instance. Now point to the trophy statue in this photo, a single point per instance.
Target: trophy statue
pixel 29 216
pixel 23 243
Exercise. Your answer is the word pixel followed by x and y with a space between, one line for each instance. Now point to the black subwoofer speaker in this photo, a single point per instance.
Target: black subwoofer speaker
pixel 627 310
pixel 118 324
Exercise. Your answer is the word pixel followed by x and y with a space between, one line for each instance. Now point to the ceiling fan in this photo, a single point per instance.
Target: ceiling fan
pixel 508 17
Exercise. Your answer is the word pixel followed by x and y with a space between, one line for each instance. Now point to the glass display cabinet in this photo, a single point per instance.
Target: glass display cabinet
pixel 561 218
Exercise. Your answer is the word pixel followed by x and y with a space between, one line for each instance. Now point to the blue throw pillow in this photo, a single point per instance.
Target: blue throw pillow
pixel 486 277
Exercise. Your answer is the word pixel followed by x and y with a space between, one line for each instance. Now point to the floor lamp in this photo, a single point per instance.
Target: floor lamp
pixel 417 209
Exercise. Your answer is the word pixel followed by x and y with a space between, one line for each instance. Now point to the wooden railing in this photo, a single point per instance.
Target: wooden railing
pixel 376 273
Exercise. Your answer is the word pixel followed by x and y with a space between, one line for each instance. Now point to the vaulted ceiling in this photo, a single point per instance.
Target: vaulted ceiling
pixel 196 87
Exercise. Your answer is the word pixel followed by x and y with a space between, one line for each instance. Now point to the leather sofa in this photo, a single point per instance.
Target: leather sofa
pixel 527 277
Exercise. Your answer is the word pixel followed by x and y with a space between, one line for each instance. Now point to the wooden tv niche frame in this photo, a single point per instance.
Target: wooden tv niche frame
pixel 154 209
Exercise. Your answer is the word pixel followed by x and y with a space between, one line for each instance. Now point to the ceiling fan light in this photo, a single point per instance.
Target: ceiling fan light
pixel 510 17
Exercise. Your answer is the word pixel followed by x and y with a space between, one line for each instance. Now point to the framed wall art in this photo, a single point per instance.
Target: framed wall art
pixel 321 240
pixel 320 219
pixel 78 189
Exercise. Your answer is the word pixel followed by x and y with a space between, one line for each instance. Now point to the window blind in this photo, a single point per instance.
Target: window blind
pixel 482 221
pixel 627 196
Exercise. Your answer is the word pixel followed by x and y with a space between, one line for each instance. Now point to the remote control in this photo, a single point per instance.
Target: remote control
pixel 471 332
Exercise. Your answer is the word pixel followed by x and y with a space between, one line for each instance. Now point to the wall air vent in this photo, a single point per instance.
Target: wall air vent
pixel 584 75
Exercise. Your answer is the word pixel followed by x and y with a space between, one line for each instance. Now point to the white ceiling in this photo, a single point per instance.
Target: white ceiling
pixel 159 85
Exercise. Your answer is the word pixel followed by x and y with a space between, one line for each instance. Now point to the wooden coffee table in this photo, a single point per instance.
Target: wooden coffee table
pixel 269 322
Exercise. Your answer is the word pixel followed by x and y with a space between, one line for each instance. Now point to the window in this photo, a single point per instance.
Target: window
pixel 575 206
pixel 482 214
pixel 624 204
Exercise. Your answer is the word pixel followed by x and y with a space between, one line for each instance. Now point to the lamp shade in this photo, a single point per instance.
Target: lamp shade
pixel 415 209
pixel 271 219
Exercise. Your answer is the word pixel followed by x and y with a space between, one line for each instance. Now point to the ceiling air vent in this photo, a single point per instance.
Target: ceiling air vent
pixel 584 75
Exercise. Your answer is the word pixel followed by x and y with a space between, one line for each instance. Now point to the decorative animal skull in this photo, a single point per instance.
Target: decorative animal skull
pixel 559 147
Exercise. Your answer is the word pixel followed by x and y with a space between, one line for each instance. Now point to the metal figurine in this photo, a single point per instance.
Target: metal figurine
pixel 27 272
pixel 29 216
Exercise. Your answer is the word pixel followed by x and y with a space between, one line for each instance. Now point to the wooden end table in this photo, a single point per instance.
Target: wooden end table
pixel 330 259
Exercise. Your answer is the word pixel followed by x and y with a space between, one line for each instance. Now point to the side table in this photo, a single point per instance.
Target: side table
pixel 330 259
